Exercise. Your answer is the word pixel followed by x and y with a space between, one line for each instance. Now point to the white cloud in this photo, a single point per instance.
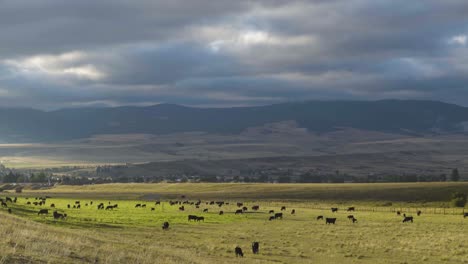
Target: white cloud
pixel 70 64
pixel 459 39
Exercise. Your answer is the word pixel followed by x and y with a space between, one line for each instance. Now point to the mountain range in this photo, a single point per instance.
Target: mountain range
pixel 411 117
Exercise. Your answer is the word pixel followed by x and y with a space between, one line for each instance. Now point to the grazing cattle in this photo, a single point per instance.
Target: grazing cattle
pixel 408 219
pixel 116 205
pixel 4 204
pixel 100 206
pixel 16 199
pixel 200 218
pixel 205 210
pixel 78 206
pixel 255 247
pixel 192 217
pixel 52 205
pixel 152 209
pixel 330 220
pixel 244 208
pixel 8 199
pixel 255 207
pixel 157 203
pixel 271 218
pixel 320 217
pixel 137 205
pixel 283 208
pixel 239 252
pixel 333 209
pixel 68 206
pixel 109 207
pixel 418 212
pixel 59 215
pixel 144 206
pixel 165 226
pixel 350 217
pixel 465 215
pixel 182 208
pixel 293 211
pixel 35 203
pixel 212 202
pixel 279 215
pixel 354 220
pixel 350 209
pixel 86 204
pixel 271 212
pixel 43 211
pixel 398 213
pixel 74 206
pixel 197 206
pixel 221 212
pixel 240 204
pixel 28 203
pixel 91 203
pixel 239 211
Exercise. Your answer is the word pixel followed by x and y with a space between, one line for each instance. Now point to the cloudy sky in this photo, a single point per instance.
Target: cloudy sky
pixel 56 54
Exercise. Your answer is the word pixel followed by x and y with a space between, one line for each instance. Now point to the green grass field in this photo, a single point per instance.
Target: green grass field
pixel 134 235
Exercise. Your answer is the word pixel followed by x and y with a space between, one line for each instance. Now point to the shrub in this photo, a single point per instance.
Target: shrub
pixel 459 199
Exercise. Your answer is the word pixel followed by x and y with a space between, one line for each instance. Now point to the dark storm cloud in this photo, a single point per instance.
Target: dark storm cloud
pixel 56 54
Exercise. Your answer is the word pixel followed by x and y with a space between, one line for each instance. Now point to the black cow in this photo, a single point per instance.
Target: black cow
pixel 465 215
pixel 240 204
pixel 255 207
pixel 109 207
pixel 271 212
pixel 157 203
pixel 320 217
pixel 200 218
pixel 283 208
pixel 418 212
pixel 255 247
pixel 152 209
pixel 350 209
pixel 293 211
pixel 4 204
pixel 182 208
pixel 137 205
pixel 43 211
pixel 239 211
pixel 408 219
pixel 279 215
pixel 350 217
pixel 244 208
pixel 354 220
pixel 398 213
pixel 271 218
pixel 9 210
pixel 28 203
pixel 221 212
pixel 8 199
pixel 144 206
pixel 334 209
pixel 205 210
pixel 165 226
pixel 192 217
pixel 59 215
pixel 239 252
pixel 68 206
pixel 77 202
pixel 100 206
pixel 78 206
pixel 330 220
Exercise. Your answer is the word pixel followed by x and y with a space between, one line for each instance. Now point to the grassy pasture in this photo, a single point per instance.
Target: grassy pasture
pixel 134 235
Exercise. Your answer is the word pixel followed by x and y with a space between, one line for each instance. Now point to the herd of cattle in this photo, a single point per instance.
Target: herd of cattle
pixel 41 201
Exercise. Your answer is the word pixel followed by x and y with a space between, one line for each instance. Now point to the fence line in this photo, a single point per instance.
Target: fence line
pixel 414 210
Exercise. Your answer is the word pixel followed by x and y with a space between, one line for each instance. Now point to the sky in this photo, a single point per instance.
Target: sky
pixel 56 54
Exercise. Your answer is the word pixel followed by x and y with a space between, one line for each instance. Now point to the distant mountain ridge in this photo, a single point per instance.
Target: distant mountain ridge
pixel 391 116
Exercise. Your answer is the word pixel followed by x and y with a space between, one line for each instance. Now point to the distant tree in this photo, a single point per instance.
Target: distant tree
pixel 459 199
pixel 443 177
pixel 455 176
pixel 10 177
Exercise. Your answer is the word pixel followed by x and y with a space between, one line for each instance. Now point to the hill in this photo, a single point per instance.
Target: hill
pixel 409 117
